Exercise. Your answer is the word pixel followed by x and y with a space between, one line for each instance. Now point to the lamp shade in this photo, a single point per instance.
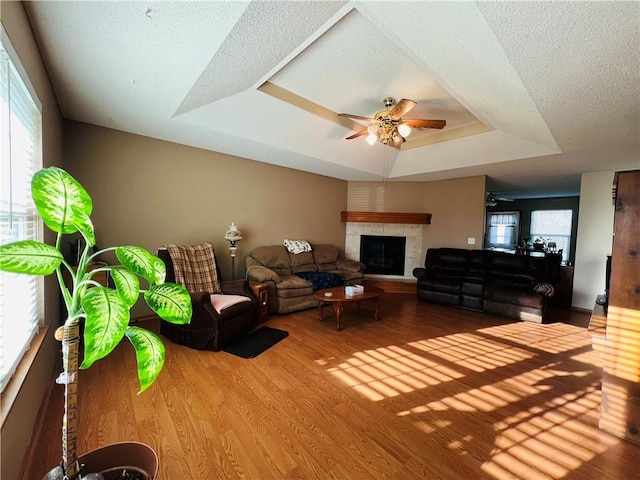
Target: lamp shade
pixel 233 235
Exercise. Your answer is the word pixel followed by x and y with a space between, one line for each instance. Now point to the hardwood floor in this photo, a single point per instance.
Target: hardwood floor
pixel 426 392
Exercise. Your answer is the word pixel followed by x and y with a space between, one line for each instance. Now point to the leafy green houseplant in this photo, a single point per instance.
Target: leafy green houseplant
pixel 103 312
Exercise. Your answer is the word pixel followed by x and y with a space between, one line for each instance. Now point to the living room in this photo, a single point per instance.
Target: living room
pixel 163 191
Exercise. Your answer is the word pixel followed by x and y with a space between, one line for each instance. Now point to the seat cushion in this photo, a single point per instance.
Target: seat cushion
pixel 221 301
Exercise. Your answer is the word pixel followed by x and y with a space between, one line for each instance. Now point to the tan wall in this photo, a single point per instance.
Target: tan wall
pixel 457 207
pixel 149 192
pixel 19 419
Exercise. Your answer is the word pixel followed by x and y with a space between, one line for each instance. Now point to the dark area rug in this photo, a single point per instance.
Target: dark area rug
pixel 256 342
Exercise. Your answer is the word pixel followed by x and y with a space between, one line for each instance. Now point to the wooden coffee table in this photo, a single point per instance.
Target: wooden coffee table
pixel 338 299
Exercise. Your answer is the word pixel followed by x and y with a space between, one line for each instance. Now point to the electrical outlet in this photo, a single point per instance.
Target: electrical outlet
pixel 471 241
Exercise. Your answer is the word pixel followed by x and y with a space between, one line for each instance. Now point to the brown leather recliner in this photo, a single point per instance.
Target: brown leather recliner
pixel 216 321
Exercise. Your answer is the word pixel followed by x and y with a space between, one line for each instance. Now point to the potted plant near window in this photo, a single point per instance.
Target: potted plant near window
pixel 539 244
pixel 102 312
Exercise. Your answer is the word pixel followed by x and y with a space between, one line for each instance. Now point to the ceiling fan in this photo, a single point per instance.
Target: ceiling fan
pixel 388 127
pixel 493 199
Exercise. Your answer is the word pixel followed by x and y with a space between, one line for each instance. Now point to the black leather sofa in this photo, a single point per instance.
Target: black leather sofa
pixel 514 286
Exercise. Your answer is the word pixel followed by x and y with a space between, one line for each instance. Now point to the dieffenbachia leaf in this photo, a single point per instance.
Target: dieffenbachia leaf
pixel 106 321
pixel 138 260
pixel 171 302
pixel 30 257
pixel 62 202
pixel 160 270
pixel 149 355
pixel 85 226
pixel 127 285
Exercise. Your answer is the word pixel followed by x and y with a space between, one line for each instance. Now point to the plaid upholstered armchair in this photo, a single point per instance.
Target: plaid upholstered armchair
pixel 222 311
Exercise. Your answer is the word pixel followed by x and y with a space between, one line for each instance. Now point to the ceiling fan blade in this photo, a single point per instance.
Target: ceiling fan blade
pixel 401 108
pixel 357 117
pixel 356 135
pixel 423 123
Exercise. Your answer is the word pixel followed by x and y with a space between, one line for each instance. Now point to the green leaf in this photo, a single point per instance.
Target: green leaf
pixel 149 355
pixel 61 201
pixel 160 270
pixel 106 322
pixel 138 260
pixel 30 257
pixel 85 227
pixel 127 285
pixel 171 302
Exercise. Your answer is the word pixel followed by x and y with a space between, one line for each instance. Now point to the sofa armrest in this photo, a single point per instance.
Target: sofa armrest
pixel 419 272
pixel 544 289
pixel 351 265
pixel 203 312
pixel 262 274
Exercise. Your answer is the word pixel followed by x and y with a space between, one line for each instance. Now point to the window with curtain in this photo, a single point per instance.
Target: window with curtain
pixel 554 226
pixel 502 230
pixel 21 296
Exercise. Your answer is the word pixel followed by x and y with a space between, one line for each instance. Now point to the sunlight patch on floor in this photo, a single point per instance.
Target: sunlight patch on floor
pixel 544 441
pixel 391 371
pixel 551 443
pixel 552 338
pixel 475 352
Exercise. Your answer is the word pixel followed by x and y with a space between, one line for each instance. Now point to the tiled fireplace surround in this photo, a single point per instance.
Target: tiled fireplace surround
pixel 413 249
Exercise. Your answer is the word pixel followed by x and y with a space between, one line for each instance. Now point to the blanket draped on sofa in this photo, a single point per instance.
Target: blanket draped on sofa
pixel 322 280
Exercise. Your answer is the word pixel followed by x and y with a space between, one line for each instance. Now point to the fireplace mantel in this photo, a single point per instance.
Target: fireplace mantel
pixel 386 217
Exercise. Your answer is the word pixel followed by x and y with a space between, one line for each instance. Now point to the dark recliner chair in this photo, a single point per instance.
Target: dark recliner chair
pixel 217 320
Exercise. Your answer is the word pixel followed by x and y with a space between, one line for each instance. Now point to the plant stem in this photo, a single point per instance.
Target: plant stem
pixel 69 378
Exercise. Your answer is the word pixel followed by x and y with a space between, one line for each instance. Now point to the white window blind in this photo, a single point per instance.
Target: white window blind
pixel 502 229
pixel 555 226
pixel 21 296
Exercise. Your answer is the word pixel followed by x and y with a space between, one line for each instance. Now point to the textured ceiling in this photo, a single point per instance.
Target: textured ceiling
pixel 534 93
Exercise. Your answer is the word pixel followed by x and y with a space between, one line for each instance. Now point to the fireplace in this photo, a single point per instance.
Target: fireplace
pixel 383 254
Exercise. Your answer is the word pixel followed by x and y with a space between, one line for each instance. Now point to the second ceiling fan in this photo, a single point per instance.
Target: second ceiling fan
pixel 388 127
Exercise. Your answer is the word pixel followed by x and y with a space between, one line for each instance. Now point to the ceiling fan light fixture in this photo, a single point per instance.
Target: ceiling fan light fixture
pixel 404 130
pixel 388 127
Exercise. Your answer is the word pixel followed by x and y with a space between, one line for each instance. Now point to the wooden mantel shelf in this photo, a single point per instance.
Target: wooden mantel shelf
pixel 386 217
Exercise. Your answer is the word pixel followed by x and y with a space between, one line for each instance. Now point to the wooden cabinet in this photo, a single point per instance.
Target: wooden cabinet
pixel 261 292
pixel 563 297
pixel 620 404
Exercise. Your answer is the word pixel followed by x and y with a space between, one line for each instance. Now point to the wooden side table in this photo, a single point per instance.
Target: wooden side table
pixel 261 292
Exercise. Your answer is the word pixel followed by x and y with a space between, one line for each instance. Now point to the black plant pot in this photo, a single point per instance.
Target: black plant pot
pixel 111 460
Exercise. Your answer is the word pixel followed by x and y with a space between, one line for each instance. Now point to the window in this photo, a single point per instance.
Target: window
pixel 502 229
pixel 21 296
pixel 555 226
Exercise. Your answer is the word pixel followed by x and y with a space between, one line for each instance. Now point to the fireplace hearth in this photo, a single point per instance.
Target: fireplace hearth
pixel 383 255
